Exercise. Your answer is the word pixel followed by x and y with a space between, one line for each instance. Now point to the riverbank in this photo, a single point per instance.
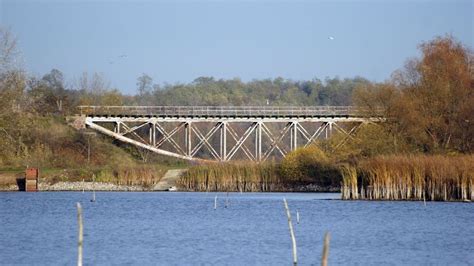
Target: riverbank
pixel 137 181
pixel 80 186
pixel 103 186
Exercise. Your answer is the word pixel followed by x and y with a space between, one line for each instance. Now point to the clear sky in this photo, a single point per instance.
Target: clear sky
pixel 178 41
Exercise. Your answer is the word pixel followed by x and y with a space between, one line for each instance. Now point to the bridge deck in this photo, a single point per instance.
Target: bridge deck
pixel 222 111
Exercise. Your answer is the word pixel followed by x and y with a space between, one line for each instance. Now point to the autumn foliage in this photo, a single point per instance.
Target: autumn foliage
pixel 430 102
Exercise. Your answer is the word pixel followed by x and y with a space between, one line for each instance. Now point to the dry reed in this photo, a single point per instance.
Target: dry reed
pixel 237 176
pixel 413 177
pixel 136 175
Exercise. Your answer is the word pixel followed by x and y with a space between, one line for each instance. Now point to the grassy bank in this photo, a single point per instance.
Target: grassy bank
pixel 64 154
pixel 420 177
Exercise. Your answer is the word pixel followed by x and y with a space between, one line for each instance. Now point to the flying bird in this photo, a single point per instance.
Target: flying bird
pixel 331 38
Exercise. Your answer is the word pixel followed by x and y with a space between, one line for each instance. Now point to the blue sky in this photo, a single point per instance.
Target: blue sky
pixel 178 41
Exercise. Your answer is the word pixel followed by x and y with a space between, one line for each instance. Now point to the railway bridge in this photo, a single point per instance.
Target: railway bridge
pixel 222 133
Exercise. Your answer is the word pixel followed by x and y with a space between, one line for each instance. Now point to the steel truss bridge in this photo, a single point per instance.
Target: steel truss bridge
pixel 222 133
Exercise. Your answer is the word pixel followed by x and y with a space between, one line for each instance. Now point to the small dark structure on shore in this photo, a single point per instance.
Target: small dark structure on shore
pixel 31 179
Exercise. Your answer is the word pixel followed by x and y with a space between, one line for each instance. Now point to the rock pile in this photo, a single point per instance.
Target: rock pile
pixel 87 186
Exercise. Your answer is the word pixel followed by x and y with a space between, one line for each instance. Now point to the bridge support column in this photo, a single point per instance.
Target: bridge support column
pixel 258 142
pixel 330 129
pixel 223 147
pixel 117 127
pixel 152 133
pixel 187 138
pixel 294 136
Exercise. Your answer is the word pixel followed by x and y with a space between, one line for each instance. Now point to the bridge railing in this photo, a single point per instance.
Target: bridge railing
pixel 220 111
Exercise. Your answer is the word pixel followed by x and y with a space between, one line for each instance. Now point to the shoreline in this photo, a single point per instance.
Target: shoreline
pixel 105 186
pixel 109 187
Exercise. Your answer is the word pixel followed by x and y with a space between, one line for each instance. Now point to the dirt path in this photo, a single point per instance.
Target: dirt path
pixel 169 180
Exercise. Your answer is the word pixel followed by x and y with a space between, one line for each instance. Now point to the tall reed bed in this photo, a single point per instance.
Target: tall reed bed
pixel 134 175
pixel 236 176
pixel 414 177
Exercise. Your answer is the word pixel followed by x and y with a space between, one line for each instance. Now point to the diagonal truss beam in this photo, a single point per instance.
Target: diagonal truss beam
pixel 242 139
pixel 270 136
pixel 276 141
pixel 204 140
pixel 168 136
pixel 245 149
pixel 122 138
pixel 349 135
pixel 132 130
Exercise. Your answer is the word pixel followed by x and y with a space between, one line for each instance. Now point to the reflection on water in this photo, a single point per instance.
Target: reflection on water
pixel 184 228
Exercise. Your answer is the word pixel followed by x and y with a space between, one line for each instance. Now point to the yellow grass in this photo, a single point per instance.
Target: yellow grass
pixel 237 176
pixel 413 177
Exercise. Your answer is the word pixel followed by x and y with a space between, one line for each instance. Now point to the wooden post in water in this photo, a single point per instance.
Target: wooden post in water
pixel 80 234
pixel 292 233
pixel 227 200
pixel 324 258
pixel 93 188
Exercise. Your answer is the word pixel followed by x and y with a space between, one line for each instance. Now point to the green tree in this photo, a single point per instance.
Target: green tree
pixel 144 85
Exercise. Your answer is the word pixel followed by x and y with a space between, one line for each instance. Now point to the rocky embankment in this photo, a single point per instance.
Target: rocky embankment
pixel 312 188
pixel 79 186
pixel 88 186
pixel 168 182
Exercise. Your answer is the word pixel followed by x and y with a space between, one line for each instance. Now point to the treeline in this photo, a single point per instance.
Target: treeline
pixel 50 94
pixel 279 91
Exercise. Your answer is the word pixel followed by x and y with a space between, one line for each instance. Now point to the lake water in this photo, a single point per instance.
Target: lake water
pixel 184 229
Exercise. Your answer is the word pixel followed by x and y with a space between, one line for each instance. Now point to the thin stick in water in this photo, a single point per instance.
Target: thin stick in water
pixel 227 200
pixel 292 233
pixel 324 259
pixel 93 188
pixel 215 203
pixel 80 235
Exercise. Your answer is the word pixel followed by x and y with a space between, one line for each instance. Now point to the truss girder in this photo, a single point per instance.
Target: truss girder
pixel 256 140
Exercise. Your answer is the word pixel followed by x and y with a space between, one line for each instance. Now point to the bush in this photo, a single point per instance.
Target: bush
pixel 310 165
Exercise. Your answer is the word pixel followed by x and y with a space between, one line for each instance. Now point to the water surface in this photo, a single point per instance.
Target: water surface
pixel 184 228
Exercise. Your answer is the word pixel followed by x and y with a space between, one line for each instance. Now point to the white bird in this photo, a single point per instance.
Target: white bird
pixel 331 38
